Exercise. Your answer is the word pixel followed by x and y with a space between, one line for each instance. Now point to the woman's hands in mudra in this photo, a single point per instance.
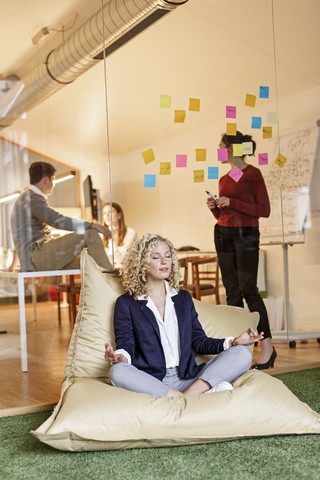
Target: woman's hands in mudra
pixel 249 337
pixel 113 357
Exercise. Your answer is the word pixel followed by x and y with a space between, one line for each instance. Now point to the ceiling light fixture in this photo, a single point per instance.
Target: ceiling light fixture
pixel 64 176
pixel 9 196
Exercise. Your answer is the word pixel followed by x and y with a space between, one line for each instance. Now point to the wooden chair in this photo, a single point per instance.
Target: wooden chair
pixel 75 287
pixel 184 266
pixel 198 287
pixel 72 288
pixel 63 287
pixel 205 281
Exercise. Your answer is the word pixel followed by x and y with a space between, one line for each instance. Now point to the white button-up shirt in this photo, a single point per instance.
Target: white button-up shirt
pixel 169 330
pixel 37 190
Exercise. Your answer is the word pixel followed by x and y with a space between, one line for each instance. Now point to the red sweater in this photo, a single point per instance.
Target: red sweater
pixel 248 199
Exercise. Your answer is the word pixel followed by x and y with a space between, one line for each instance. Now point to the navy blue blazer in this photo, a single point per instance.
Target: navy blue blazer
pixel 137 332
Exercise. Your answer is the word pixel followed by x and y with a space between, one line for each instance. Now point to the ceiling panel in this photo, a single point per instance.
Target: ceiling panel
pixel 215 50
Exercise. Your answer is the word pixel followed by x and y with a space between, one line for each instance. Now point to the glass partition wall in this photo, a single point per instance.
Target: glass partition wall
pixel 145 118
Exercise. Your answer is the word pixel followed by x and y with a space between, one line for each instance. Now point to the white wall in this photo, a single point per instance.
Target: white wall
pixel 176 208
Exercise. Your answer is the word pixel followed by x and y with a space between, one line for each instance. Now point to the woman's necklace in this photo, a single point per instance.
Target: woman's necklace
pixel 159 301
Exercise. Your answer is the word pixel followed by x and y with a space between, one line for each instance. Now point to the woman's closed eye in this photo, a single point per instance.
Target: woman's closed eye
pixel 156 257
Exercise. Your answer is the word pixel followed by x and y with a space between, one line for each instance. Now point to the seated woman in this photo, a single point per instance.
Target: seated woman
pixel 157 327
pixel 122 236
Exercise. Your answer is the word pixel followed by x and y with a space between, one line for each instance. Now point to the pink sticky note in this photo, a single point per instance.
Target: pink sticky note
pixel 231 112
pixel 263 159
pixel 181 160
pixel 236 174
pixel 222 154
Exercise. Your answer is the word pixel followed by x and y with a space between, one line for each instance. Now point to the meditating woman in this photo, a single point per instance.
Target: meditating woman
pixel 122 236
pixel 242 200
pixel 157 327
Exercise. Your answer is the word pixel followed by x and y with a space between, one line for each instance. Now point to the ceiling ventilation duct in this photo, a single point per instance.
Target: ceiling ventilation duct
pixel 123 19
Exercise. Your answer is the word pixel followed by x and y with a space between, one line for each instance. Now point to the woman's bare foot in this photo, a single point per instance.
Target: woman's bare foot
pixel 199 386
pixel 174 393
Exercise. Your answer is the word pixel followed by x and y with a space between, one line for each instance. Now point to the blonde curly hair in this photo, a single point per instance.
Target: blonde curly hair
pixel 135 267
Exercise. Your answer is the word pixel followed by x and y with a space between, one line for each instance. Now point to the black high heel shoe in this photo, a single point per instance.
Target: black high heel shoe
pixel 268 364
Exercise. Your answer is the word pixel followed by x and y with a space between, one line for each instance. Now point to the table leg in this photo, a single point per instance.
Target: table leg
pixel 23 331
pixel 34 297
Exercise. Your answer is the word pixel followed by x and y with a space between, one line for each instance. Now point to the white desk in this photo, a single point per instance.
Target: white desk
pixel 20 276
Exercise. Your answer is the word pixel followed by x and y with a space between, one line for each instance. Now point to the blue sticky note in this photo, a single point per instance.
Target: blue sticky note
pixel 256 122
pixel 213 173
pixel 149 181
pixel 264 92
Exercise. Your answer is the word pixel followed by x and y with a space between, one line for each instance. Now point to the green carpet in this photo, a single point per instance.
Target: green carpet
pixel 272 458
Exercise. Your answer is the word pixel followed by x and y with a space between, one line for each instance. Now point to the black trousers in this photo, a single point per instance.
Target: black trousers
pixel 238 253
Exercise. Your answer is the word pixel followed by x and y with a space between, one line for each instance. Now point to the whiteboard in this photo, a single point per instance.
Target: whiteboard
pixel 289 187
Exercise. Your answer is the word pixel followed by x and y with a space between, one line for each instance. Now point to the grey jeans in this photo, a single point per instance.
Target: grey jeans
pixel 227 366
pixel 63 252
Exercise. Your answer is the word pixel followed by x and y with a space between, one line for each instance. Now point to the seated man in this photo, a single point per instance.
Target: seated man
pixel 34 244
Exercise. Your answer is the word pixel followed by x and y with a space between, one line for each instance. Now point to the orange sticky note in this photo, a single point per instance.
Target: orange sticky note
pixel 266 132
pixel 280 160
pixel 231 129
pixel 194 104
pixel 250 100
pixel 179 116
pixel 198 176
pixel 148 156
pixel 201 154
pixel 165 168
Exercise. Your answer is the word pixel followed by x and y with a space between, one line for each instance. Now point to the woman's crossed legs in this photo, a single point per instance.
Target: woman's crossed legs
pixel 227 366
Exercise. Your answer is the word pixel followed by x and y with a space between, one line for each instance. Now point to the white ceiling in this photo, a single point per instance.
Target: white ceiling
pixel 215 50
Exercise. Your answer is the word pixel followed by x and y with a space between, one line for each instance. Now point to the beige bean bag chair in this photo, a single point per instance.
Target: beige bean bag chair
pixel 93 415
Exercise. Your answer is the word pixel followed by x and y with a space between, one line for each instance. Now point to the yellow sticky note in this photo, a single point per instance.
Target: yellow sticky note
pixel 237 149
pixel 231 129
pixel 201 154
pixel 194 104
pixel 198 176
pixel 165 101
pixel 148 156
pixel 280 160
pixel 165 168
pixel 266 132
pixel 250 100
pixel 179 116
